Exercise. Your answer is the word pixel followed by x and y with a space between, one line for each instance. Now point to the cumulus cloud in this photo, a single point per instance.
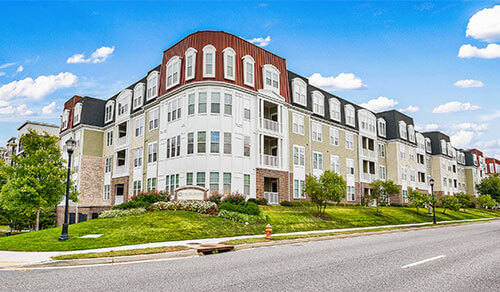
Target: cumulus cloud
pixel 379 104
pixel 485 25
pixel 468 83
pixel 7 65
pixel 491 51
pixel 342 81
pixel 19 110
pixel 48 109
pixel 463 139
pixel 260 41
pixel 454 106
pixel 410 109
pixel 19 69
pixel 98 56
pixel 38 88
pixel 489 117
pixel 2 74
pixel 427 127
pixel 470 126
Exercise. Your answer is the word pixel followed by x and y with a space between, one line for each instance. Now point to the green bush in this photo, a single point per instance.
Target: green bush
pixel 286 204
pixel 250 208
pixel 121 213
pixel 242 218
pixel 215 197
pixel 235 199
pixel 253 200
pixel 144 200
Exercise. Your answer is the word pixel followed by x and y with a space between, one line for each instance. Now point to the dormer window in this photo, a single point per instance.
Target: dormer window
pixel 349 115
pixel 382 130
pixel 271 78
pixel 318 103
pixel 173 68
pixel 248 70
pixel 138 95
pixel 428 145
pixel 122 102
pixel 108 114
pixel 403 133
pixel 229 56
pixel 449 148
pixel 209 61
pixel 65 119
pixel 443 147
pixel 77 113
pixel 334 109
pixel 411 133
pixel 299 91
pixel 190 63
pixel 152 91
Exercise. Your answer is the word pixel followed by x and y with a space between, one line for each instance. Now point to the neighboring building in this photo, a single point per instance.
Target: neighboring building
pixel 224 114
pixel 475 170
pixel 492 166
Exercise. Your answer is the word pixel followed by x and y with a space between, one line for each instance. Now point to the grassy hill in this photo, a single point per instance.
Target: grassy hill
pixel 182 225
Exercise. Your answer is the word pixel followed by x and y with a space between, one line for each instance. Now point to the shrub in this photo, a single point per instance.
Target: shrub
pixel 286 204
pixel 215 197
pixel 485 201
pixel 242 218
pixel 235 199
pixel 262 201
pixel 144 200
pixel 250 208
pixel 193 206
pixel 253 200
pixel 121 213
pixel 450 202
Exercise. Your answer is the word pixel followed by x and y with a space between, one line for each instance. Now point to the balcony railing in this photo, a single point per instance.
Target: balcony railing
pixel 271 197
pixel 369 177
pixel 122 141
pixel 118 200
pixel 368 153
pixel 271 125
pixel 270 160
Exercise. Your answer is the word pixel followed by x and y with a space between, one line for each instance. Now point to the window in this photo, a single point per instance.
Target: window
pixel 334 136
pixel 381 150
pixel 403 174
pixel 248 70
pixel 428 145
pixel 246 146
pixel 298 155
pixel 122 130
pixel 138 157
pixel 109 138
pixel 228 104
pixel 246 110
pixel 173 68
pixel 190 63
pixel 402 150
pixel 152 85
pixel 174 146
pixel 107 165
pixel 298 124
pixel 209 61
pixel 189 179
pixel 334 109
pixel 121 158
pixel 200 179
pixel 402 130
pixel 443 147
pixel 65 119
pixel 349 141
pixel 246 185
pixel 349 115
pixel 174 110
pixel 318 103
pixel 299 91
pixel 298 189
pixel 152 152
pixel 202 139
pixel 137 187
pixel 191 101
pixel 381 127
pixel 214 142
pixel 190 143
pixel 412 175
pixel 77 113
pixel 138 95
pixel 228 55
pixel 171 183
pixel 151 184
pixel 202 103
pixel 214 181
pixel 107 192
pixel 382 172
pixel 153 119
pixel 405 196
pixel 317 134
pixel 139 127
pixel 271 78
pixel 411 133
pixel 421 177
pixel 349 166
pixel 335 163
pixel 227 143
pixel 411 154
pixel 226 182
pixel 108 114
pixel 317 161
pixel 215 103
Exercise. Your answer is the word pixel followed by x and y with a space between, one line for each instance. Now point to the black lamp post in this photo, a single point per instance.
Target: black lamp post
pixel 70 147
pixel 433 202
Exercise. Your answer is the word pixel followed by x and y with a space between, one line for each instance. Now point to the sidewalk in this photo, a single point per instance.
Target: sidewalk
pixel 15 258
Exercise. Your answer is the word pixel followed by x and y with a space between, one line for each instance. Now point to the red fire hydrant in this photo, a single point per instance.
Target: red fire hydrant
pixel 269 230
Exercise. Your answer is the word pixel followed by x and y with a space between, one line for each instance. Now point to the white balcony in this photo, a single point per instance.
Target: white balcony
pixel 368 153
pixel 369 177
pixel 122 141
pixel 118 200
pixel 271 197
pixel 270 160
pixel 271 125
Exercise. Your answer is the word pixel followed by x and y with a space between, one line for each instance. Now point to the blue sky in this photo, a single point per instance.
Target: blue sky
pixel 378 53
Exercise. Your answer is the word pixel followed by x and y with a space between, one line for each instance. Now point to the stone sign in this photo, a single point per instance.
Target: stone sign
pixel 191 193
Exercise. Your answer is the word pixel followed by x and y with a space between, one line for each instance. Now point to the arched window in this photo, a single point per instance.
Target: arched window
pixel 190 63
pixel 229 65
pixel 403 133
pixel 138 95
pixel 411 133
pixel 382 129
pixel 173 68
pixel 271 77
pixel 152 85
pixel 299 91
pixel 248 70
pixel 123 101
pixel 209 61
pixel 77 113
pixel 108 114
pixel 428 145
pixel 65 119
pixel 318 103
pixel 443 147
pixel 350 118
pixel 335 109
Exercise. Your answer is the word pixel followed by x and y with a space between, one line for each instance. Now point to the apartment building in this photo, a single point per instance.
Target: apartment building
pixel 224 114
pixel 492 166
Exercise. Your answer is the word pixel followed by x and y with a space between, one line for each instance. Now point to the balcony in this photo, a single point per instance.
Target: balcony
pixel 270 117
pixel 368 153
pixel 369 177
pixel 270 160
pixel 271 197
pixel 271 125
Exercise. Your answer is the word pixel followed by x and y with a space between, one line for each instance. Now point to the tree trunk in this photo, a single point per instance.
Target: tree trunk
pixel 37 223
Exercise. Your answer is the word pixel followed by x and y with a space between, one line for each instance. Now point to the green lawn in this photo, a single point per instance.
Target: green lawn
pixel 181 225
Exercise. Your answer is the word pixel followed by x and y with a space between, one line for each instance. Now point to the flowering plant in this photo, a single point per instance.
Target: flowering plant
pixel 193 206
pixel 234 198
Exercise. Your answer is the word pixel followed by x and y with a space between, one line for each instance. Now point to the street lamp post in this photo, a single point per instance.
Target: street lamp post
pixel 70 147
pixel 433 202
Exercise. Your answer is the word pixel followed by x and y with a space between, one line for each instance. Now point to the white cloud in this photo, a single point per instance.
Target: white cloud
pixel 19 69
pixel 19 110
pixel 463 139
pixel 38 88
pixel 485 25
pixel 470 126
pixel 261 41
pixel 98 56
pixel 410 109
pixel 491 51
pixel 427 127
pixel 454 106
pixel 7 110
pixel 48 109
pixel 4 103
pixel 342 81
pixel 379 104
pixel 490 117
pixel 2 74
pixel 7 65
pixel 468 83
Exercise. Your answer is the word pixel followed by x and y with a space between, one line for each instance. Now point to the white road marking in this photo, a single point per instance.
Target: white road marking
pixel 424 261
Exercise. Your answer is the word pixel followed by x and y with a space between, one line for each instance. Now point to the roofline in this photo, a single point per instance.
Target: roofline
pixel 37 123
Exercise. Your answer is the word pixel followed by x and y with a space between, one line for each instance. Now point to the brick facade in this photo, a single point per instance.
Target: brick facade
pixel 116 181
pixel 283 183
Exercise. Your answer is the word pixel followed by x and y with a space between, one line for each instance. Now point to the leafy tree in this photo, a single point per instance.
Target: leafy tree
pixel 313 189
pixel 382 191
pixel 485 201
pixel 329 187
pixel 450 202
pixel 37 179
pixel 418 199
pixel 490 186
pixel 464 199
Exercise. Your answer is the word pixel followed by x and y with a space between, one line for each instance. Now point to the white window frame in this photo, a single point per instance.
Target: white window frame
pixel 349 141
pixel 403 132
pixel 190 53
pixel 77 114
pixel 411 133
pixel 335 113
pixel 334 136
pixel 299 91
pixel 300 151
pixel 248 60
pixel 350 115
pixel 65 119
pixel 209 49
pixel 335 164
pixel 317 156
pixel 109 141
pixel 381 132
pixel 152 85
pixel 349 163
pixel 173 70
pixel 274 73
pixel 152 149
pixel 317 136
pixel 318 103
pixel 229 52
pixel 156 114
pixel 139 124
pixel 138 98
pixel 138 157
pixel 382 172
pixel 298 126
pixel 109 117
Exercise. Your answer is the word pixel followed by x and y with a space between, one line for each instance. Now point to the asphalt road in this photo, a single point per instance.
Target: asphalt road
pixel 462 258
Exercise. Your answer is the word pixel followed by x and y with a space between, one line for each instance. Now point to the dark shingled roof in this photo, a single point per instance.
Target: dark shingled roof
pixel 92 111
pixel 392 119
pixel 436 138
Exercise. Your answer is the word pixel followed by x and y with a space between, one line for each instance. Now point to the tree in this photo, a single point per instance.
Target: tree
pixel 450 202
pixel 418 199
pixel 37 179
pixel 382 191
pixel 485 201
pixel 490 186
pixel 313 189
pixel 390 189
pixel 464 199
pixel 329 187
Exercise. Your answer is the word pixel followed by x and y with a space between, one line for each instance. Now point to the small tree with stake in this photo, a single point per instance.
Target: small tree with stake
pixel 418 199
pixel 464 199
pixel 329 187
pixel 382 191
pixel 450 202
pixel 485 201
